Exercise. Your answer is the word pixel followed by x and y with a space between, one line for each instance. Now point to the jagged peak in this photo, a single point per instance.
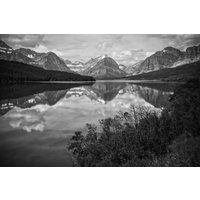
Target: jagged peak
pixel 99 57
pixel 27 52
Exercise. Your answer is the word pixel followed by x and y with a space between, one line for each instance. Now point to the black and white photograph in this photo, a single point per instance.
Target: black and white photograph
pixel 100 100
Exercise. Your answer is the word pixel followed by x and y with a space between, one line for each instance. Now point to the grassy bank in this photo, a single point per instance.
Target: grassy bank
pixel 143 138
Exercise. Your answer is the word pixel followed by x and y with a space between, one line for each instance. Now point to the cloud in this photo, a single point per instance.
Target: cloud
pixel 104 46
pixel 132 47
pixel 22 40
pixel 27 119
pixel 38 43
pixel 43 49
pixel 129 57
pixel 190 40
pixel 181 41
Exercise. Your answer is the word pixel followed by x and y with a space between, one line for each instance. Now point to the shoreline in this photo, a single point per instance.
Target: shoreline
pixel 111 81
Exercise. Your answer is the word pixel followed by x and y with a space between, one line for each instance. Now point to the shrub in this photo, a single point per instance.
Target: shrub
pixel 141 137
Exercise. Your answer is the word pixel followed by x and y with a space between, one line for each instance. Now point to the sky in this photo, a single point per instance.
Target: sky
pixel 126 49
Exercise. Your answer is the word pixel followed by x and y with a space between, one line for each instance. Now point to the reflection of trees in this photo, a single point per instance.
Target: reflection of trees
pixel 156 98
pixel 50 98
pixel 26 96
pixel 155 94
pixel 23 90
pixel 164 87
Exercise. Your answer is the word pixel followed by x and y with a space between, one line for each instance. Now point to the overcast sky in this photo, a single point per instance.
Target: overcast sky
pixel 125 49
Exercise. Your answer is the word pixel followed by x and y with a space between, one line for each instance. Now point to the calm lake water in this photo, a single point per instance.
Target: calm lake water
pixel 37 120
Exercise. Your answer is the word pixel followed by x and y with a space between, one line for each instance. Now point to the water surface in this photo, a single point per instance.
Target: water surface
pixel 37 120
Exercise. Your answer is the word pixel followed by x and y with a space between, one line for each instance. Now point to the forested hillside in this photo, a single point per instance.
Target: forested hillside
pixel 11 71
pixel 181 73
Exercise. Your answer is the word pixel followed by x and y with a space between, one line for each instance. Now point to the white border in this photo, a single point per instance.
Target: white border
pixel 102 16
pixel 99 183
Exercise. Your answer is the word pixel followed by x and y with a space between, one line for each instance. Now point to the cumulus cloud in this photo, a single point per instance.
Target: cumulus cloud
pixel 181 41
pixel 28 120
pixel 125 48
pixel 104 46
pixel 35 42
pixel 43 49
pixel 129 57
pixel 23 40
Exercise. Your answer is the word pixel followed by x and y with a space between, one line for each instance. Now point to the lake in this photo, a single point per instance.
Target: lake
pixel 37 120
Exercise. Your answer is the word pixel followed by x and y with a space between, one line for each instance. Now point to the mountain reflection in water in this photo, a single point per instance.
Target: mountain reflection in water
pixel 52 112
pixel 70 108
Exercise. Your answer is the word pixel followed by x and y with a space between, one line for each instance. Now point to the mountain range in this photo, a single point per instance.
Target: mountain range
pixel 103 67
pixel 169 57
pixel 47 61
pixel 181 73
pixel 18 72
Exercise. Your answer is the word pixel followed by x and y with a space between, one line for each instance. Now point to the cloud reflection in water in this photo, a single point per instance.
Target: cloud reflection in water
pixel 82 105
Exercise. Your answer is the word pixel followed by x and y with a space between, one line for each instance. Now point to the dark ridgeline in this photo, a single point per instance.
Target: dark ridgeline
pixel 169 57
pixel 22 65
pixel 181 73
pixel 104 67
pixel 169 64
pixel 48 61
pixel 15 72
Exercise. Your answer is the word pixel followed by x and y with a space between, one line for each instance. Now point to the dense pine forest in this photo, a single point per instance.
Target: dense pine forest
pixel 181 73
pixel 15 72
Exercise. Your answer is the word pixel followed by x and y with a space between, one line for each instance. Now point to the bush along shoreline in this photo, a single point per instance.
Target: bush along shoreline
pixel 143 138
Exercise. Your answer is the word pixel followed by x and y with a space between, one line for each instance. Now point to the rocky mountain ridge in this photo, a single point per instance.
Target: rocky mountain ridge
pixel 48 61
pixel 103 67
pixel 169 57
